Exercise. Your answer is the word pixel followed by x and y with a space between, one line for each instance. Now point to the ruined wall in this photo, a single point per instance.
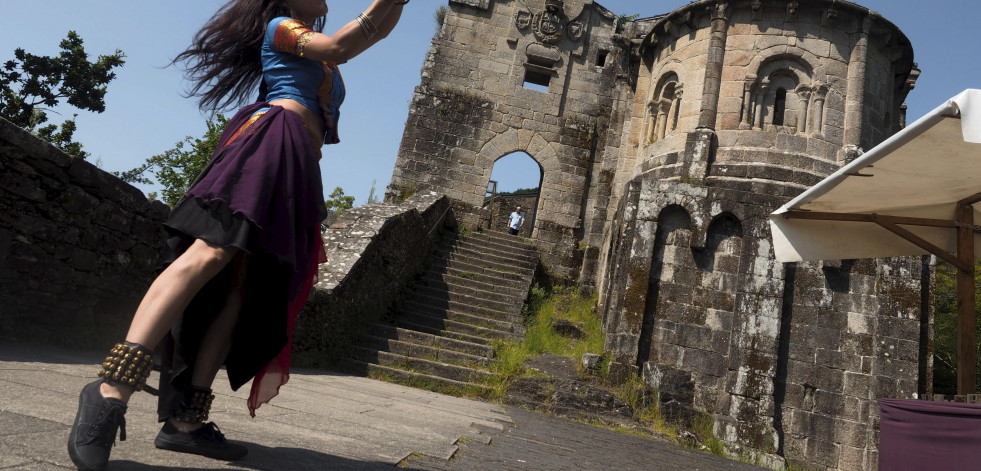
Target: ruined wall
pixel 77 246
pixel 373 252
pixel 740 106
pixel 473 108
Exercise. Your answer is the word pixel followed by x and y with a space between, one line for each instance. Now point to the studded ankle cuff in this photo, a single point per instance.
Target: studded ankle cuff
pixel 195 405
pixel 128 364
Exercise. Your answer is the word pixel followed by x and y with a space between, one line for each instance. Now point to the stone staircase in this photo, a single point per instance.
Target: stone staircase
pixel 441 336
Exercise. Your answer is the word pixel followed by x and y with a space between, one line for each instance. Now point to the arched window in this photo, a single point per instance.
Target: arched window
pixel 776 97
pixel 664 109
pixel 779 106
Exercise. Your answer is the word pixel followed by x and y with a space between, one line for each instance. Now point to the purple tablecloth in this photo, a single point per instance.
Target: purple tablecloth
pixel 925 435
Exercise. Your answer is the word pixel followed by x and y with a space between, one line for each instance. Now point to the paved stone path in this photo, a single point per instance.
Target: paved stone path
pixel 541 442
pixel 321 420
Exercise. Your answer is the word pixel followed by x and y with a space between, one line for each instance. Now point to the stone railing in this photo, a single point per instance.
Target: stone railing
pixel 374 251
pixel 78 247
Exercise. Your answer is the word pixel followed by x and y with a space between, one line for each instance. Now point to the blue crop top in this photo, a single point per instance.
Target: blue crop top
pixel 287 74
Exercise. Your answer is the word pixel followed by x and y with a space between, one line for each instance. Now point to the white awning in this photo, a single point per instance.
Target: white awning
pixel 906 188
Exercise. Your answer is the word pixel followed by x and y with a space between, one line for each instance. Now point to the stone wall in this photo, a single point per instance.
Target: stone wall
pixel 473 108
pixel 78 247
pixel 373 252
pixel 739 107
pixel 788 359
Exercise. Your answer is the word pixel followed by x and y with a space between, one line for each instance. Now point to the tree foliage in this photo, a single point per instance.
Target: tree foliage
pixel 372 194
pixel 177 168
pixel 31 86
pixel 623 19
pixel 338 202
pixel 945 327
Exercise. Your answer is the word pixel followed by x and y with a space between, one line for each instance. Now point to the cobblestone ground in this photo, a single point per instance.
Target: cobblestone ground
pixel 541 442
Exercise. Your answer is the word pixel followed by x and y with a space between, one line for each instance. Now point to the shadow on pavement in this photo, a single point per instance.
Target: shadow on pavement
pixel 266 458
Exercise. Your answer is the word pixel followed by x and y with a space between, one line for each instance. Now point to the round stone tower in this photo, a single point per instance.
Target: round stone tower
pixel 738 107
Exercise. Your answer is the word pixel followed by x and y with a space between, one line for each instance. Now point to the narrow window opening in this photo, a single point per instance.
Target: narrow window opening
pixel 601 58
pixel 779 106
pixel 537 81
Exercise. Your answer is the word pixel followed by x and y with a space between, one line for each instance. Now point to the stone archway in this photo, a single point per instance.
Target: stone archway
pixel 517 181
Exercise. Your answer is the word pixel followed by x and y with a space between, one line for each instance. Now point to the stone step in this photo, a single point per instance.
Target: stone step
pixel 471 295
pixel 502 238
pixel 453 309
pixel 449 281
pixel 462 318
pixel 490 277
pixel 523 253
pixel 424 352
pixel 503 269
pixel 487 257
pixel 488 302
pixel 406 324
pixel 419 365
pixel 420 380
pixel 447 265
pixel 440 323
pixel 431 339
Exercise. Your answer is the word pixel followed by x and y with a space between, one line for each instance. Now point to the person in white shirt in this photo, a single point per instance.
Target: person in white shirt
pixel 515 221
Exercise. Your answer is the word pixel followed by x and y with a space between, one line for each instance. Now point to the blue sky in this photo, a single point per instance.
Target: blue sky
pixel 146 114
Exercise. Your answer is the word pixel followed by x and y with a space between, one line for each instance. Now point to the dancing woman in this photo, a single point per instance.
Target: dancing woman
pixel 244 242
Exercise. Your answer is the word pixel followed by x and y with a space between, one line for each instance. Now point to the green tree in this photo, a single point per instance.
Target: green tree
pixel 337 202
pixel 31 86
pixel 177 168
pixel 945 326
pixel 623 19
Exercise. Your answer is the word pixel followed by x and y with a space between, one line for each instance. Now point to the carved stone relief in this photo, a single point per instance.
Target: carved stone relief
pixel 552 23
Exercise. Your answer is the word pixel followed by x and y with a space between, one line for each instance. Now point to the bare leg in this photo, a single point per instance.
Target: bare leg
pixel 169 295
pixel 217 341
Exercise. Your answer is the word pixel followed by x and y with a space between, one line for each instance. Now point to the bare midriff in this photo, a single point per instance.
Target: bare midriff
pixel 313 121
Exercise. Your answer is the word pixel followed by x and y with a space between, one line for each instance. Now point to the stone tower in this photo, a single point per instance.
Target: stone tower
pixel 478 102
pixel 664 144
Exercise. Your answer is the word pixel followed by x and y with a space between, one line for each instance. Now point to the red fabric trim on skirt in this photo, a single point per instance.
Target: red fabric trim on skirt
pixel 267 382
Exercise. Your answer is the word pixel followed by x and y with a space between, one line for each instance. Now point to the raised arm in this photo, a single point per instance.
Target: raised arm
pixel 357 35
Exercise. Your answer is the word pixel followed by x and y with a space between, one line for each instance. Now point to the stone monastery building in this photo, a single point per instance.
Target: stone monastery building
pixel 664 143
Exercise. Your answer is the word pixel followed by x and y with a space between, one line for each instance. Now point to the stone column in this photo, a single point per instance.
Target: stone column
pixel 651 123
pixel 804 97
pixel 713 67
pixel 675 106
pixel 747 122
pixel 760 100
pixel 820 93
pixel 857 65
pixel 662 118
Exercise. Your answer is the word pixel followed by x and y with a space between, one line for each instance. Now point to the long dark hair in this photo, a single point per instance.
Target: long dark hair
pixel 223 61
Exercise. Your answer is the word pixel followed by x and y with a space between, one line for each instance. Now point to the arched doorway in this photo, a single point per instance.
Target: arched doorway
pixel 516 179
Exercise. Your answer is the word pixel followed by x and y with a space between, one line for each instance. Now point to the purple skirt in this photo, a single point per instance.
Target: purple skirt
pixel 261 192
